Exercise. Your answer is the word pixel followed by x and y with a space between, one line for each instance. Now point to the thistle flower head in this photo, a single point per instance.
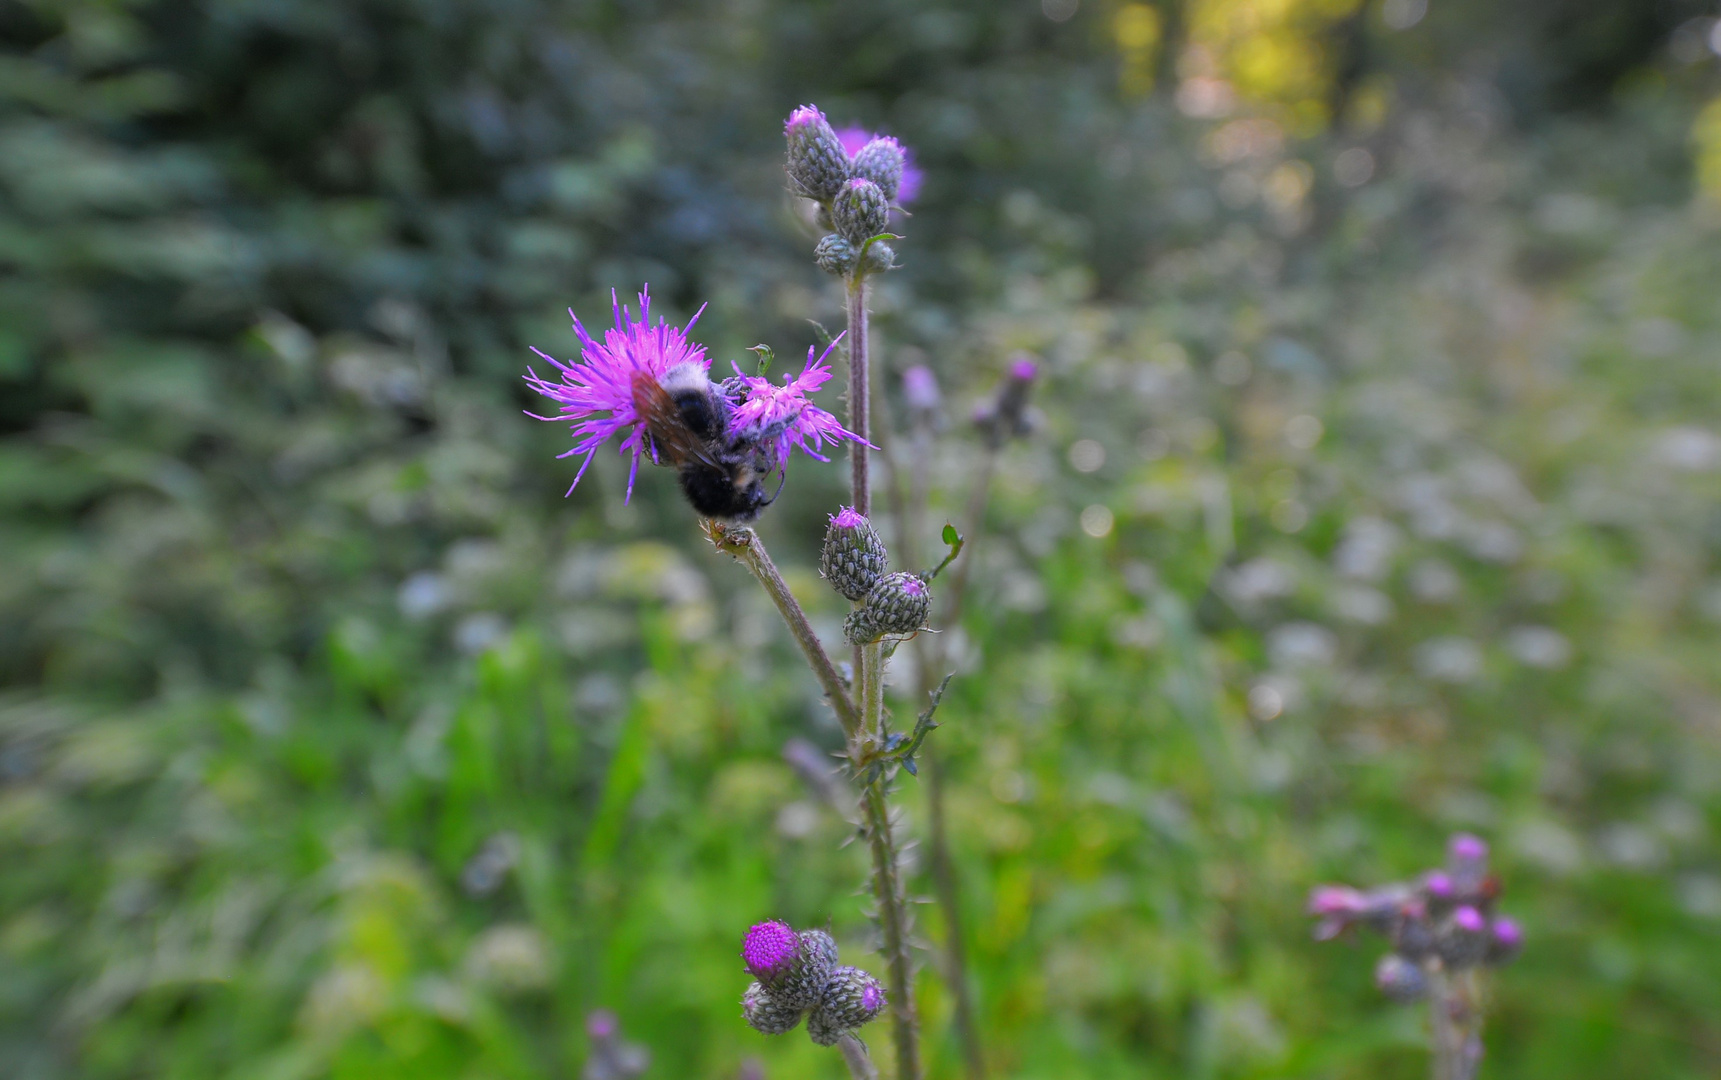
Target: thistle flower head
pixel 1469 920
pixel 1439 885
pixel 594 395
pixel 920 389
pixel 1505 939
pixel 770 949
pixel 1400 979
pixel 855 140
pixel 1465 848
pixel 783 417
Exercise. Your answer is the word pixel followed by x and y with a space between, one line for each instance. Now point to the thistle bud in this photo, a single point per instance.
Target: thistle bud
pixel 1007 416
pixel 817 163
pixel 851 998
pixel 1400 979
pixel 860 211
pixel 1411 933
pixel 897 604
pixel 1463 939
pixel 765 1013
pixel 824 1030
pixel 834 255
pixel 880 257
pixel 1505 939
pixel 793 967
pixel 1467 861
pixel 882 161
pixel 854 557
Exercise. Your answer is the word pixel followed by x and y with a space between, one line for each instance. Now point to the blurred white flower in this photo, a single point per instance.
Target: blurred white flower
pixel 1688 449
pixel 1449 659
pixel 1366 551
pixel 1360 604
pixel 1434 582
pixel 422 595
pixel 1539 646
pixel 1301 644
pixel 1260 579
pixel 479 631
pixel 510 957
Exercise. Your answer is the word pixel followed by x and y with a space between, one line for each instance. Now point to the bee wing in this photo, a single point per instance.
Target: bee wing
pixel 663 422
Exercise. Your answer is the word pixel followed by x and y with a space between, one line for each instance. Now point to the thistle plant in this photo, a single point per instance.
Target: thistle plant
pixel 1445 935
pixel 650 385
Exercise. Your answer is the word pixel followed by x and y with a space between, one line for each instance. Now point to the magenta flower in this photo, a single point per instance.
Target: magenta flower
pixel 854 137
pixel 595 393
pixel 769 949
pixel 783 417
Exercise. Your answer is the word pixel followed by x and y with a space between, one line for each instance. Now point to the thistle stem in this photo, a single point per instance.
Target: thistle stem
pixel 746 546
pixel 929 654
pixel 887 888
pixel 860 484
pixel 857 1059
pixel 869 682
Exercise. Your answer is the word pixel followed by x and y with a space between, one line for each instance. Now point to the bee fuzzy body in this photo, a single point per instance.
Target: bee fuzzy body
pixel 722 474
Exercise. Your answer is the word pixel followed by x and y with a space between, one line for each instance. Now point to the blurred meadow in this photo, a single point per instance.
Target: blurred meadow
pixel 1376 494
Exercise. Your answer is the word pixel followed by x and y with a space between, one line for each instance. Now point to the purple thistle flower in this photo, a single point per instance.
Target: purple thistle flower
pixel 855 137
pixel 769 949
pixel 1468 848
pixel 595 393
pixel 1469 920
pixel 1507 933
pixel 1439 885
pixel 784 415
pixel 920 388
pixel 848 517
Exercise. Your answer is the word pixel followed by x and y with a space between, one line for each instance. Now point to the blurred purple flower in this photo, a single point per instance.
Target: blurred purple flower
pixel 595 393
pixel 854 137
pixel 785 417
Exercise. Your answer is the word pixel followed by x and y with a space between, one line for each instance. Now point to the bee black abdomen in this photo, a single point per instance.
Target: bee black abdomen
pixel 715 493
pixel 699 412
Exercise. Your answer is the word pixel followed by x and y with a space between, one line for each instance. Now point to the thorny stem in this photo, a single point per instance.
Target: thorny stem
pixel 869 683
pixel 1455 1013
pixel 860 485
pixel 856 1058
pixel 930 660
pixel 746 546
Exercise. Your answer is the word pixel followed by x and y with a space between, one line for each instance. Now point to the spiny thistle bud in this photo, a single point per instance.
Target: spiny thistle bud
pixel 860 211
pixel 1467 861
pixel 1400 979
pixel 851 998
pixel 824 1030
pixel 793 967
pixel 1463 939
pixel 765 1013
pixel 834 255
pixel 880 257
pixel 1505 939
pixel 881 161
pixel 897 604
pixel 854 557
pixel 817 163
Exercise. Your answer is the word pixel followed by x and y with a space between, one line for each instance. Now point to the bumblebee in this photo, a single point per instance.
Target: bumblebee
pixel 722 472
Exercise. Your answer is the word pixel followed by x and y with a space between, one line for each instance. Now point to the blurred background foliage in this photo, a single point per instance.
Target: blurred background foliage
pixel 1376 495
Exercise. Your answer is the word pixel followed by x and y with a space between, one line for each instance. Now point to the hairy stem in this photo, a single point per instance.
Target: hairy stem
pixel 909 509
pixel 856 1058
pixel 860 484
pixel 869 683
pixel 746 546
pixel 887 888
pixel 1455 1012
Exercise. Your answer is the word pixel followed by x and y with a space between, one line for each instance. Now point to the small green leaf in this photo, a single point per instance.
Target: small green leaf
pixel 951 536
